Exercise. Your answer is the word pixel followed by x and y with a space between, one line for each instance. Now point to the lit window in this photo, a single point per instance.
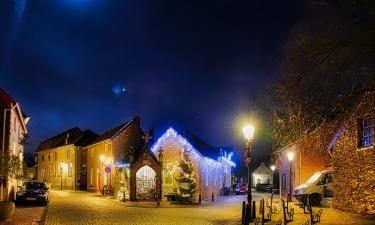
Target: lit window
pixel 91 175
pixel 70 169
pixel 366 132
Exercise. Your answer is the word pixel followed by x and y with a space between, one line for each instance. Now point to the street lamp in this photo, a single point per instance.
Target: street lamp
pixel 62 168
pixel 248 132
pixel 102 159
pixel 290 156
pixel 273 167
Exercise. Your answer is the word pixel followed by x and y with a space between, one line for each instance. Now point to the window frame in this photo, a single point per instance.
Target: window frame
pixel 366 132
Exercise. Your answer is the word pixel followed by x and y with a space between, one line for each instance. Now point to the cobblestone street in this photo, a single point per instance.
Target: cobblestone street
pixel 86 208
pixel 73 207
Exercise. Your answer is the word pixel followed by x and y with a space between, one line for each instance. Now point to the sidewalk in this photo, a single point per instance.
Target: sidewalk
pixel 330 216
pixel 26 215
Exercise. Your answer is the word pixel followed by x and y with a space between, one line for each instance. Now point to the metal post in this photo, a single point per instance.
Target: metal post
pixel 253 213
pixel 290 181
pixel 200 198
pixel 249 196
pixel 212 197
pixel 243 213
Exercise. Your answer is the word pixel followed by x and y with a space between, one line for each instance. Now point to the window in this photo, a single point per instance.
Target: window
pixel 54 170
pixel 49 156
pixel 55 155
pixel 366 132
pixel 68 153
pixel 42 173
pixel 283 181
pixel 70 169
pixel 43 158
pixel 91 175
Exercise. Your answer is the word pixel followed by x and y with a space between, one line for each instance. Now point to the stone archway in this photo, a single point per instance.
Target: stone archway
pixel 145 183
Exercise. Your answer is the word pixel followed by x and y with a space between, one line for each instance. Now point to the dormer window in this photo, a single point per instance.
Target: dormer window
pixel 366 132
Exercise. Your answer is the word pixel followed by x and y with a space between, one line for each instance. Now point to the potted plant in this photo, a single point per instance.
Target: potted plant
pixel 11 167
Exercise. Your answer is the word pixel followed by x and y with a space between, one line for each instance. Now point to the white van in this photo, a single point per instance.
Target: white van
pixel 317 186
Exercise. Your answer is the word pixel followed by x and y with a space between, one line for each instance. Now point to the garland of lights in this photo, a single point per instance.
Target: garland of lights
pixel 195 153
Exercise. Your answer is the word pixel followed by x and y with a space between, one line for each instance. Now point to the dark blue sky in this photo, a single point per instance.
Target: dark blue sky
pixel 190 64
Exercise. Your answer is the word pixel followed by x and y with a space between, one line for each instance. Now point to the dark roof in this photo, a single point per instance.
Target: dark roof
pixel 72 136
pixel 204 148
pixel 86 138
pixel 5 99
pixel 114 131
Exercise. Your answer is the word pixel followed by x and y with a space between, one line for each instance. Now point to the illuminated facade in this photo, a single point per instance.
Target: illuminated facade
pixel 120 164
pixel 211 175
pixel 13 121
pixel 62 159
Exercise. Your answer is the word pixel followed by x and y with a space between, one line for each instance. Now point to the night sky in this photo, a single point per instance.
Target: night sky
pixel 97 63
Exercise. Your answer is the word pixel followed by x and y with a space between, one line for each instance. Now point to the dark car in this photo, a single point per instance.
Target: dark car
pixel 35 191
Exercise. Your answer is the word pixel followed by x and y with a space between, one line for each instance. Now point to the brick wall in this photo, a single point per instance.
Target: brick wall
pixel 354 178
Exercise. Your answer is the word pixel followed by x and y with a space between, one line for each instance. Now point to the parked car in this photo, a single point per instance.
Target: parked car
pixel 317 186
pixel 32 190
pixel 239 189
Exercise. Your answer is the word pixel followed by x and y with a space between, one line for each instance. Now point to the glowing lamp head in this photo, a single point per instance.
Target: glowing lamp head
pixel 290 156
pixel 63 166
pixel 248 131
pixel 102 158
pixel 273 167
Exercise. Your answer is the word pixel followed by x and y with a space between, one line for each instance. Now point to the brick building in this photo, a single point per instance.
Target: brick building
pixel 120 164
pixel 353 154
pixel 343 144
pixel 211 165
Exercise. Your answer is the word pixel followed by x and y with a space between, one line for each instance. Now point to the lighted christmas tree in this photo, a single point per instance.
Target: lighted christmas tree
pixel 186 179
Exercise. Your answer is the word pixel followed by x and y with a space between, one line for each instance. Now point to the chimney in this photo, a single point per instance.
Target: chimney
pixel 66 139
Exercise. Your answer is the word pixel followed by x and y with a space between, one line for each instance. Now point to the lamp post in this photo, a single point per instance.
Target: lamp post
pixel 273 167
pixel 62 167
pixel 290 156
pixel 248 132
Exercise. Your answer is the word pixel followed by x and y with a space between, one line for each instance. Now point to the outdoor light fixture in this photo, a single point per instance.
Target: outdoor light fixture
pixel 273 167
pixel 248 132
pixel 102 158
pixel 290 156
pixel 63 167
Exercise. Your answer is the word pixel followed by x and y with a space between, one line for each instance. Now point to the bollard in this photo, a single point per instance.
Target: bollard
pixel 212 197
pixel 243 213
pixel 200 199
pixel 103 190
pixel 124 198
pixel 248 218
pixel 253 212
